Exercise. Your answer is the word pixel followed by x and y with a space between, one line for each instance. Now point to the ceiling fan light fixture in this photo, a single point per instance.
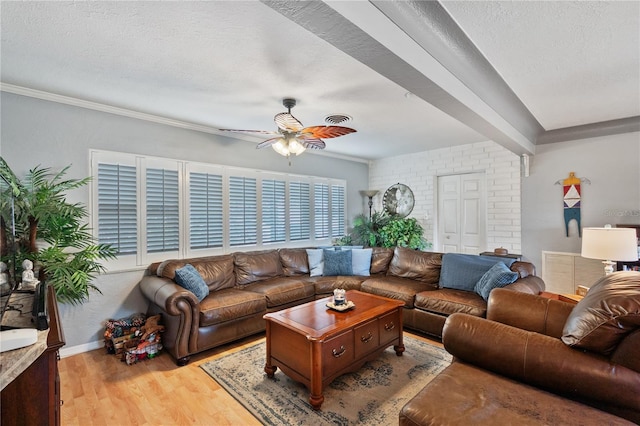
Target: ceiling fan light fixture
pixel 288 146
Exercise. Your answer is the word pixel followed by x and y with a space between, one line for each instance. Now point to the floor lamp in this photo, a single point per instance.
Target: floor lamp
pixel 610 244
pixel 370 193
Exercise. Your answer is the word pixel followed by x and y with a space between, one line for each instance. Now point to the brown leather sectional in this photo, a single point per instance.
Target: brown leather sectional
pixel 535 360
pixel 244 286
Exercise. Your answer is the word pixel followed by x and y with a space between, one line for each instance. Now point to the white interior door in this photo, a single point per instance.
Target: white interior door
pixel 461 213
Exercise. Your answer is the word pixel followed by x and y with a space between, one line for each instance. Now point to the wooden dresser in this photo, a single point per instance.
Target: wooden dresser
pixel 33 398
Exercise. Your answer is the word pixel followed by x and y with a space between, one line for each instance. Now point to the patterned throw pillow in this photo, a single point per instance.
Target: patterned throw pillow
pixel 189 278
pixel 499 275
pixel 337 262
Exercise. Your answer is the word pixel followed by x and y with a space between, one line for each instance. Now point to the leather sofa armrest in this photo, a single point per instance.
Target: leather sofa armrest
pixel 541 361
pixel 528 312
pixel 530 284
pixel 179 302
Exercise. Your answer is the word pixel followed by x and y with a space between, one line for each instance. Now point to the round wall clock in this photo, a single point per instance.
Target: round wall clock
pixel 398 200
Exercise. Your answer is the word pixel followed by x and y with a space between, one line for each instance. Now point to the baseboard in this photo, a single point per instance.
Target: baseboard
pixel 74 350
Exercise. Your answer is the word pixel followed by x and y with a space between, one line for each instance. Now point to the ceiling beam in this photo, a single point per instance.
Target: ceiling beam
pixel 363 31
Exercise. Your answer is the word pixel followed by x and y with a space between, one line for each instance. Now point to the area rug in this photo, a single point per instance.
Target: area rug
pixel 373 395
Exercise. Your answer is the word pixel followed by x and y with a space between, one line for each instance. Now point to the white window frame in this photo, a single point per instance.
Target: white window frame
pixel 142 259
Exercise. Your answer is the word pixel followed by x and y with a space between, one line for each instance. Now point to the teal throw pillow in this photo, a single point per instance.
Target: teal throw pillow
pixel 498 276
pixel 337 262
pixel 189 278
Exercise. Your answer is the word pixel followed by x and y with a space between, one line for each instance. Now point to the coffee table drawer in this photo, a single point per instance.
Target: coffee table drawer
pixel 367 338
pixel 389 325
pixel 337 353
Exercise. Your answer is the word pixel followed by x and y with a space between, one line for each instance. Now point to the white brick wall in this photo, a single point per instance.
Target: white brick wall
pixel 419 171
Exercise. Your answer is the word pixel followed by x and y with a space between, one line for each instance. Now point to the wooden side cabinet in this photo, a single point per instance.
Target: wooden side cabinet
pixel 33 398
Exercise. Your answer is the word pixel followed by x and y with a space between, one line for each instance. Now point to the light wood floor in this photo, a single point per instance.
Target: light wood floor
pixel 98 389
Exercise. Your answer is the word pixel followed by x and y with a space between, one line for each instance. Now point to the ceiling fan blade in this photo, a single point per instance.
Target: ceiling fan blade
pixel 326 132
pixel 262 132
pixel 268 142
pixel 288 122
pixel 313 143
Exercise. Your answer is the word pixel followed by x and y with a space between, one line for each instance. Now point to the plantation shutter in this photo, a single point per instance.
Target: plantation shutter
pixel 243 217
pixel 117 207
pixel 321 210
pixel 163 222
pixel 337 210
pixel 273 211
pixel 299 211
pixel 205 211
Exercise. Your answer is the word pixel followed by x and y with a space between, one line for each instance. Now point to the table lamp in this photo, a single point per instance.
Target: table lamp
pixel 610 244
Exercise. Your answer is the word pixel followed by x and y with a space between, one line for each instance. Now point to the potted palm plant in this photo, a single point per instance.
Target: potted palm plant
pixel 50 231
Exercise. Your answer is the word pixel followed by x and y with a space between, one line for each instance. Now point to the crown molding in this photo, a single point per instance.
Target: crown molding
pixel 97 106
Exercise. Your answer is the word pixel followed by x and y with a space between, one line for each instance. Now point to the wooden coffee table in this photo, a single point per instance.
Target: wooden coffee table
pixel 313 344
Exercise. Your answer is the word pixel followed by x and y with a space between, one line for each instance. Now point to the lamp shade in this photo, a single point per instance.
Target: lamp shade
pixel 618 244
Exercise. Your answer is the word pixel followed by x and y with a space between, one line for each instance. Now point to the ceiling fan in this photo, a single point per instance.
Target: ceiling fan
pixel 291 137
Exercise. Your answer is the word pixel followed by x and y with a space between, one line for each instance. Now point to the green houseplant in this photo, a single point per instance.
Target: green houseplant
pixel 384 230
pixel 51 231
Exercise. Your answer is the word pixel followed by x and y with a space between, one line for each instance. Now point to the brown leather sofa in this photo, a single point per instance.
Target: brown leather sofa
pixel 244 286
pixel 540 361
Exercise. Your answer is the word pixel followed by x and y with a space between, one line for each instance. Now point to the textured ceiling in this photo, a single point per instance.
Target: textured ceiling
pixel 228 64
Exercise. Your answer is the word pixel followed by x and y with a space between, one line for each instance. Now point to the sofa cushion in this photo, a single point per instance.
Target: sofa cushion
pixel 380 258
pixel 462 271
pixel 230 304
pixel 337 262
pixel 607 314
pixel 467 395
pixel 294 262
pixel 499 275
pixel 216 271
pixel 447 301
pixel 257 266
pixel 416 265
pixel 396 288
pixel 316 262
pixel 283 290
pixel 189 278
pixel 324 286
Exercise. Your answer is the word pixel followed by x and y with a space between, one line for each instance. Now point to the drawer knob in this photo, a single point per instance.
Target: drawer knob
pixel 389 326
pixel 337 353
pixel 367 338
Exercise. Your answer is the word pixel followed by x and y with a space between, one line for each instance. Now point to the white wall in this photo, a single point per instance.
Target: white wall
pixel 36 132
pixel 419 171
pixel 611 164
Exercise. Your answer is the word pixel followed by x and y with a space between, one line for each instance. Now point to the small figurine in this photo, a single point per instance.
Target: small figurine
pixel 4 279
pixel 29 280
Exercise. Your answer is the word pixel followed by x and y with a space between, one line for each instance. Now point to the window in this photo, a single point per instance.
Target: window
pixel 274 216
pixel 243 213
pixel 117 207
pixel 205 211
pixel 337 211
pixel 152 209
pixel 321 207
pixel 299 211
pixel 163 212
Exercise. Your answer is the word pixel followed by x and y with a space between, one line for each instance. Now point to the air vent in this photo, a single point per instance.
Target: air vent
pixel 337 119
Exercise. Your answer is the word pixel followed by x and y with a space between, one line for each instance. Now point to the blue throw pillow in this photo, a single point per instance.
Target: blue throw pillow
pixel 189 278
pixel 462 271
pixel 316 262
pixel 337 262
pixel 498 276
pixel 361 262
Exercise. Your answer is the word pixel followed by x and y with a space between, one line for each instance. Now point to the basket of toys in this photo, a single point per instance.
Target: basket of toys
pixel 134 338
